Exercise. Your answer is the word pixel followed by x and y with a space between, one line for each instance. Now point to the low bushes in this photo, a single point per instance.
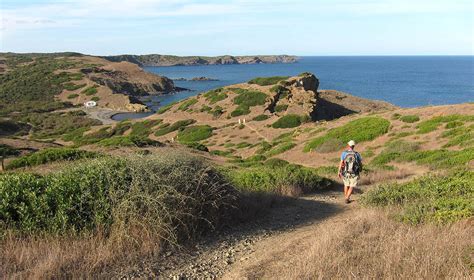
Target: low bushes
pixel 250 98
pixel 194 133
pixel 72 96
pixel 165 108
pixel 261 117
pixel 428 199
pixel 167 128
pixel 90 90
pixel 6 150
pixel 266 81
pixel 71 86
pixel 288 121
pixel 50 155
pixel 286 179
pixel 359 130
pixel 281 107
pixel 171 197
pixel 409 118
pixel 187 103
pixel 240 111
pixel 433 123
pixel 215 95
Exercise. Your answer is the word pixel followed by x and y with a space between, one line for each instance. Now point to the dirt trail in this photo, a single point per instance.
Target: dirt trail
pixel 259 249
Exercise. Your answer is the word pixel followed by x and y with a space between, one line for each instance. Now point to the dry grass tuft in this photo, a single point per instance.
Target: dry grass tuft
pixel 382 175
pixel 371 246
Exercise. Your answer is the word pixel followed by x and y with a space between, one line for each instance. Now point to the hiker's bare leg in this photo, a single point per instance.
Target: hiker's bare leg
pixel 346 188
pixel 349 192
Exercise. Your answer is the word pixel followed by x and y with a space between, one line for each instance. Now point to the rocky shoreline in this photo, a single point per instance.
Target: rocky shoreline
pixel 171 60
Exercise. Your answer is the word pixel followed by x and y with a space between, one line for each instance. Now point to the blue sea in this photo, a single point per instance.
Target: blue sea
pixel 406 81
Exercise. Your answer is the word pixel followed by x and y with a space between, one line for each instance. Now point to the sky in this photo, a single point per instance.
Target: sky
pixel 239 27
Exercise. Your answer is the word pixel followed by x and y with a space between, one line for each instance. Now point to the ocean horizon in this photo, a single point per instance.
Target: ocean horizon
pixel 403 80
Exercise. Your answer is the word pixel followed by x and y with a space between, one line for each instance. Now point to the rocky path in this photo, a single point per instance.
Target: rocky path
pixel 252 250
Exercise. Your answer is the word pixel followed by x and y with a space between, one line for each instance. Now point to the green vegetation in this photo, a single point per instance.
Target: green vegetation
pixel 410 118
pixel 95 98
pixel 428 199
pixel 250 98
pixel 163 109
pixel 266 81
pixel 283 147
pixel 187 103
pixel 432 124
pixel 32 87
pixel 10 127
pixel 359 130
pixel 459 135
pixel 143 129
pixel 6 150
pixel 197 146
pixel 286 179
pixel 215 95
pixel 72 86
pixel 240 111
pixel 79 138
pixel 280 90
pixel 406 151
pixel 261 117
pixel 49 155
pixel 194 133
pixel 129 140
pixel 90 90
pixel 72 96
pixel 396 116
pixel 288 121
pixel 174 197
pixel 46 125
pixel 281 107
pixel 217 111
pixel 167 128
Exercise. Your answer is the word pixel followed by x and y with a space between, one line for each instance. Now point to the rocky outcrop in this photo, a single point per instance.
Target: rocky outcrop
pixel 298 95
pixel 171 60
pixel 128 78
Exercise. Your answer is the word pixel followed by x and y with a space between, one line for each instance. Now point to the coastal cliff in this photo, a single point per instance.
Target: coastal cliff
pixel 172 60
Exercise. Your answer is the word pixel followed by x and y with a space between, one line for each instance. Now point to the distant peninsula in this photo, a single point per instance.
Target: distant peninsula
pixel 172 60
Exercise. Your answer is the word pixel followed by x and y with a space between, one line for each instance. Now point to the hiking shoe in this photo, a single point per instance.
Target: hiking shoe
pixel 348 201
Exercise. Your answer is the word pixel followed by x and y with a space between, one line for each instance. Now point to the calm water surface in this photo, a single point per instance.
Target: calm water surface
pixel 406 81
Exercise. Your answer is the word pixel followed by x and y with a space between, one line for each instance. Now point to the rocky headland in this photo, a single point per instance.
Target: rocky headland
pixel 172 60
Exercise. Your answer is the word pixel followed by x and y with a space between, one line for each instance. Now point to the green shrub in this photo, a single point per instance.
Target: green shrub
pixel 174 196
pixel 95 98
pixel 166 128
pixel 428 199
pixel 217 111
pixel 194 133
pixel 359 130
pixel 215 95
pixel 6 150
pixel 281 107
pixel 453 124
pixel 410 118
pixel 249 98
pixel 283 147
pixel 72 86
pixel 280 90
pixel 90 90
pixel 393 151
pixel 72 96
pixel 266 81
pixel 49 155
pixel 242 145
pixel 276 162
pixel 186 104
pixel 56 124
pixel 432 124
pixel 288 121
pixel 163 109
pixel 261 117
pixel 197 146
pixel 143 129
pixel 240 111
pixel 273 179
pixel 396 116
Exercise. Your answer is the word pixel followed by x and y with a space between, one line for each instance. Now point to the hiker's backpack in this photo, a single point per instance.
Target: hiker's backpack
pixel 352 164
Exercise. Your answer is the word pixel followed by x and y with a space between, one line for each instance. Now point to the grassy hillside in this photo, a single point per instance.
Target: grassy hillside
pixel 130 190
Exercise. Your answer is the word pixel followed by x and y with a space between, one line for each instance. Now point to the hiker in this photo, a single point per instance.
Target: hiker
pixel 349 169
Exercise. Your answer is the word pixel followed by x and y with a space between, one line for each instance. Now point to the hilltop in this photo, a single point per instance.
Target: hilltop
pixel 173 60
pixel 29 82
